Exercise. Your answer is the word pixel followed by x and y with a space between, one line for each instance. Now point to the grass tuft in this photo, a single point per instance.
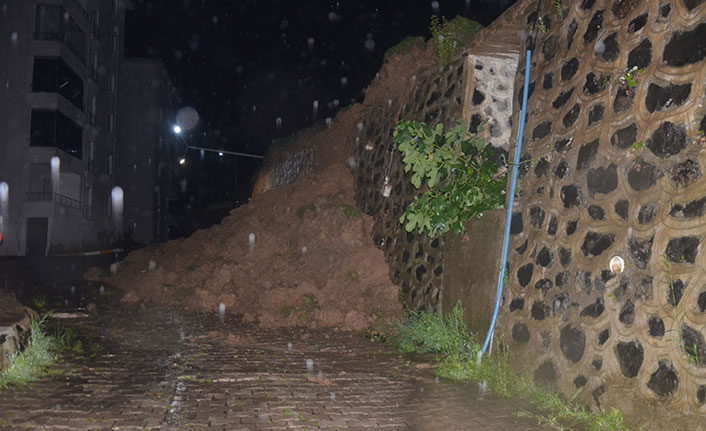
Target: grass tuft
pixel 433 332
pixel 33 362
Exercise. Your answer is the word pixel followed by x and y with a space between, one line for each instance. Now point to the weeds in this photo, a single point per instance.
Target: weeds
pixel 404 46
pixel 40 302
pixel 33 362
pixel 435 333
pixel 182 294
pixel 449 36
pixel 350 211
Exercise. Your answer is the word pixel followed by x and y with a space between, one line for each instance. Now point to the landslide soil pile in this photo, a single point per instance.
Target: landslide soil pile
pixel 312 262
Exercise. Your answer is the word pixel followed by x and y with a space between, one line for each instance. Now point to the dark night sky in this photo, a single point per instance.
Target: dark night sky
pixel 244 64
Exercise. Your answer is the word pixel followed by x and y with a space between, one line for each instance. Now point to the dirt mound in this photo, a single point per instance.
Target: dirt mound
pixel 301 255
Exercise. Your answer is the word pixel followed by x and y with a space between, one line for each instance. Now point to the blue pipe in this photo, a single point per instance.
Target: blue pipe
pixel 508 219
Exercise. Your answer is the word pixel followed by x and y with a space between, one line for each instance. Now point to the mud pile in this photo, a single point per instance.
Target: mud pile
pixel 301 255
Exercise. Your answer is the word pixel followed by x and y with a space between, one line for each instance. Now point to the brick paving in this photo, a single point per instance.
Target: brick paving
pixel 161 369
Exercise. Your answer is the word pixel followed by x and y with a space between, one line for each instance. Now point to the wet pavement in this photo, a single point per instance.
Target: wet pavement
pixel 162 369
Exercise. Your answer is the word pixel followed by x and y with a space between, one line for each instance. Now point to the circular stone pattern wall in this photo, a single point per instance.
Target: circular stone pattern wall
pixel 614 149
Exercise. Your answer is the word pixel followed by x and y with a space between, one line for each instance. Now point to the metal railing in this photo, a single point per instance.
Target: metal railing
pixel 96 30
pixel 80 7
pixel 87 212
pixel 55 197
pixel 60 37
pixel 93 73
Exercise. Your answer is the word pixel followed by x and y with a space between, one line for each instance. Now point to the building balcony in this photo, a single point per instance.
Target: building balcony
pixel 65 40
pixel 53 197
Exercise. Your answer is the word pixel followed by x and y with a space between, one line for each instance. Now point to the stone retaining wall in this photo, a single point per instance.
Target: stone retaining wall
pixel 621 177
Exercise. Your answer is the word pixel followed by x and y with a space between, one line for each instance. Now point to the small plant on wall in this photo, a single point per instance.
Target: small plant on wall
pixel 628 79
pixel 449 36
pixel 459 168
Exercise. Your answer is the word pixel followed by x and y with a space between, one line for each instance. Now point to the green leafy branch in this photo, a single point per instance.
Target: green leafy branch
pixel 458 168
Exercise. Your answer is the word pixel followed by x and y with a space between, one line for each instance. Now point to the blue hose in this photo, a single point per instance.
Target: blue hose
pixel 508 219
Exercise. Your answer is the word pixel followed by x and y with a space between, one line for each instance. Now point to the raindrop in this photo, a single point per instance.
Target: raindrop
pixel 369 44
pixel 113 268
pixel 310 43
pixel 435 6
pixel 4 203
pixel 389 102
pixel 55 173
pixel 599 49
pixel 304 250
pixel 178 54
pixel 251 240
pixel 182 185
pixel 278 123
pixel 328 121
pixel 116 200
pixel 344 81
pixel 214 20
pixel 221 311
pixel 352 163
pixel 315 108
pixel 359 126
pixel 482 389
pixel 289 347
pixel 332 16
pixel 101 290
pixel 333 396
pixel 239 70
pixel 66 16
pixel 310 365
pixel 152 265
pixel 13 37
pixel 73 290
pixel 336 103
pixel 187 117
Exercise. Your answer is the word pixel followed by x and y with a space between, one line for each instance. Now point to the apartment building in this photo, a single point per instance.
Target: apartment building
pixel 59 113
pixel 146 163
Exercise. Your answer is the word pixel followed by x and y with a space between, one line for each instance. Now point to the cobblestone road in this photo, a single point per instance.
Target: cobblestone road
pixel 161 369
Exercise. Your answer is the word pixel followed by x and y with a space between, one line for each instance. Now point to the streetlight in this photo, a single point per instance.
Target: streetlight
pixel 182 160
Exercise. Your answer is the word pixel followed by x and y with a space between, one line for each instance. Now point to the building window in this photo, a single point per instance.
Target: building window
pixel 54 129
pixel 53 75
pixel 55 23
pixel 109 164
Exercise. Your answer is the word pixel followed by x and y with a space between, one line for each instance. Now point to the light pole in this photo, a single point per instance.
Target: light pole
pixel 182 160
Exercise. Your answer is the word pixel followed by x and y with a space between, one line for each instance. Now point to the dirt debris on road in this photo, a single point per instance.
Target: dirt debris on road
pixel 301 255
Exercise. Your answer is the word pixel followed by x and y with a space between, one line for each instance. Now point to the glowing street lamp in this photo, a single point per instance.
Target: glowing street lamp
pixel 182 160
